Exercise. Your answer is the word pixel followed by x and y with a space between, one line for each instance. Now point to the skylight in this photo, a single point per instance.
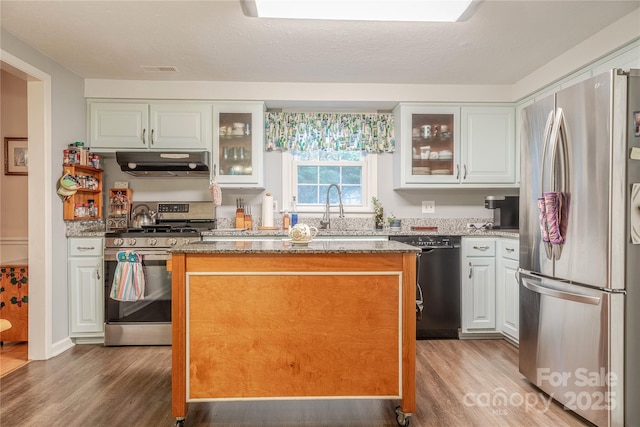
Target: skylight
pixel 360 10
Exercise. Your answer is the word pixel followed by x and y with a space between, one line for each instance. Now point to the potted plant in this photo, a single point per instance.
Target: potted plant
pixel 378 213
pixel 394 223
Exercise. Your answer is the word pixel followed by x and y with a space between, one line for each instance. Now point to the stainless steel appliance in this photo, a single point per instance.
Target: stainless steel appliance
pixel 164 163
pixel 505 211
pixel 579 253
pixel 148 321
pixel 438 285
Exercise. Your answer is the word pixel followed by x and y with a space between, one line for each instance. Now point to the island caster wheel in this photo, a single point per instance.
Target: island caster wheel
pixel 179 422
pixel 402 418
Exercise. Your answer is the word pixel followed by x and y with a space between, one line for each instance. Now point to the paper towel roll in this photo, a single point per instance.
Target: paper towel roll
pixel 267 210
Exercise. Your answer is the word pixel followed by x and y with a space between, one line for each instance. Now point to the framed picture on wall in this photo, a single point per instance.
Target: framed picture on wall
pixel 16 158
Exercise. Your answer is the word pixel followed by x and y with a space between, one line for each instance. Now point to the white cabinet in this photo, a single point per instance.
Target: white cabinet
pixel 86 288
pixel 488 148
pixel 507 288
pixel 454 146
pixel 238 147
pixel 168 125
pixel 478 285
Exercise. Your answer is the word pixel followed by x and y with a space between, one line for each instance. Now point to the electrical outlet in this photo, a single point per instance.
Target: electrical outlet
pixel 275 206
pixel 428 206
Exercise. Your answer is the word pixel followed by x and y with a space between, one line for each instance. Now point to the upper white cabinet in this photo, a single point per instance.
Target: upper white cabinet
pixel 427 145
pixel 488 149
pixel 238 147
pixel 453 146
pixel 175 125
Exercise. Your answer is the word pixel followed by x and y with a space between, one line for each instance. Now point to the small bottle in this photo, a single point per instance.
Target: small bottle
pixel 294 212
pixel 286 220
pixel 65 159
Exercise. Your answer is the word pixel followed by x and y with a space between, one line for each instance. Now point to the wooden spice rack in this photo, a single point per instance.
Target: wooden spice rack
pixel 83 195
pixel 119 208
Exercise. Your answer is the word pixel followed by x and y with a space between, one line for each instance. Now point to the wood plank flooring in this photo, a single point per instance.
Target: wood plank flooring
pixel 13 355
pixel 95 386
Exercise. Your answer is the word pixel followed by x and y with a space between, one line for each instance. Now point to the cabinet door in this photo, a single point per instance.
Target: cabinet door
pixel 180 126
pixel 238 129
pixel 488 148
pixel 86 295
pixel 478 294
pixel 427 145
pixel 508 297
pixel 118 125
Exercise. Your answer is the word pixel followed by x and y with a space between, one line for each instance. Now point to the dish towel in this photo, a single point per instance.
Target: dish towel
pixel 553 203
pixel 128 280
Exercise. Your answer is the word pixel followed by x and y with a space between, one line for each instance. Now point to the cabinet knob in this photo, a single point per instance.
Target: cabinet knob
pixel 470 270
pixel 509 250
pixel 481 248
pixel 144 136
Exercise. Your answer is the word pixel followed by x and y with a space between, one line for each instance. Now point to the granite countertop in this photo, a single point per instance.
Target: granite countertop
pixel 286 246
pixel 362 232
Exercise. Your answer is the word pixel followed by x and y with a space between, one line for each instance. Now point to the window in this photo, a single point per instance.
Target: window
pixel 307 175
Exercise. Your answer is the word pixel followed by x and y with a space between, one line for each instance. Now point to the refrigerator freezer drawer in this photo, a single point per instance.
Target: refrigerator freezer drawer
pixel 568 347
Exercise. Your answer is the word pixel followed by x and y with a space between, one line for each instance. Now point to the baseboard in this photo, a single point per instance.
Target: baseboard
pixel 89 340
pixel 61 346
pixel 481 336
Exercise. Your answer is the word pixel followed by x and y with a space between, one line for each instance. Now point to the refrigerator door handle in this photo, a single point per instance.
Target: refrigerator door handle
pixel 559 141
pixel 571 296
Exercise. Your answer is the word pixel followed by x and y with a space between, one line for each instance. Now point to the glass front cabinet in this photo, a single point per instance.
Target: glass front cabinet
pixel 427 145
pixel 238 144
pixel 447 146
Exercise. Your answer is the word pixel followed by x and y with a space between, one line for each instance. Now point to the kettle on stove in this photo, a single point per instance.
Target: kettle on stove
pixel 142 218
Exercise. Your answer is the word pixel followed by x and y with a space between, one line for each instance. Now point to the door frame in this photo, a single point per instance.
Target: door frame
pixel 40 194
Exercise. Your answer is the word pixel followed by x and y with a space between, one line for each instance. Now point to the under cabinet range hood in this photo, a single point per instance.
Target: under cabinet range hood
pixel 164 163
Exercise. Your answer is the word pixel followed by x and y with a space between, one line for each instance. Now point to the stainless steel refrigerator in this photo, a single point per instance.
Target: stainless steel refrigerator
pixel 580 247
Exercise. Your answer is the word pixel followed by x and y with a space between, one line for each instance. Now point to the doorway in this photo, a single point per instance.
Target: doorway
pixel 39 223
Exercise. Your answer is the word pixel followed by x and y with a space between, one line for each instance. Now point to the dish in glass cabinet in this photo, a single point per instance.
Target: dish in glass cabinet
pixel 421 170
pixel 441 172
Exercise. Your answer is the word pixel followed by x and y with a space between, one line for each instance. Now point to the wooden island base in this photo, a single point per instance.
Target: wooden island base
pixel 293 326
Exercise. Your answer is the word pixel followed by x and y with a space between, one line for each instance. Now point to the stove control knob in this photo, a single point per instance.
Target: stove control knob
pixel 152 242
pixel 186 241
pixel 118 241
pixel 132 242
pixel 172 241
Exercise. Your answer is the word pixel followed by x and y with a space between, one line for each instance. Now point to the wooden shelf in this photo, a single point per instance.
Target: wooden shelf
pixel 83 195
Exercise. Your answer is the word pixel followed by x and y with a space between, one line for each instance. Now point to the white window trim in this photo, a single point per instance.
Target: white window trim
pixel 369 186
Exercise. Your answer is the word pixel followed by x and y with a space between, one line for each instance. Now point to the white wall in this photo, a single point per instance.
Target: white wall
pixel 13 189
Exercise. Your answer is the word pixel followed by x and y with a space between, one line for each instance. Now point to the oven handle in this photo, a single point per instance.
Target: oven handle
pixel 146 256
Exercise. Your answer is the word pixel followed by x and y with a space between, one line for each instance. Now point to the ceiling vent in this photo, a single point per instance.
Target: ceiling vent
pixel 159 69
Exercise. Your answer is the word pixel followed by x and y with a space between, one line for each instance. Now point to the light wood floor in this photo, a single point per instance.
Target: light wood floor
pixel 98 386
pixel 13 355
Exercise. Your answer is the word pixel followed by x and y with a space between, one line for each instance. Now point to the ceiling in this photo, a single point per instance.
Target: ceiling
pixel 502 42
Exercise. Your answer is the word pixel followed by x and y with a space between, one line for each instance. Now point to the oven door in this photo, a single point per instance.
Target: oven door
pixel 148 320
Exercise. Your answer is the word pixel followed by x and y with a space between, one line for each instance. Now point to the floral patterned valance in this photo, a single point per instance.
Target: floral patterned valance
pixel 372 133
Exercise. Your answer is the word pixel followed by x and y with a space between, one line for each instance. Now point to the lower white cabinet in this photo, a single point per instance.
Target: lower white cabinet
pixel 490 289
pixel 478 285
pixel 507 288
pixel 86 287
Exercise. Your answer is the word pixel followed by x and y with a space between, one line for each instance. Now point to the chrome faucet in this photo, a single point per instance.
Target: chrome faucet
pixel 326 221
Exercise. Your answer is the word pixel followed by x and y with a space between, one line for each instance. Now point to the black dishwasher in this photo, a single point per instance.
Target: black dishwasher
pixel 438 285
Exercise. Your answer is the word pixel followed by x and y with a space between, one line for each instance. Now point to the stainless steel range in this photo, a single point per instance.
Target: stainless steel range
pixel 147 321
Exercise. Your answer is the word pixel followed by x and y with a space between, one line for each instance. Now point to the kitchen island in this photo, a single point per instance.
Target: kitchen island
pixel 259 320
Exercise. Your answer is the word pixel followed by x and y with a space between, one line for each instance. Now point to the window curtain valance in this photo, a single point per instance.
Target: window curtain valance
pixel 372 133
